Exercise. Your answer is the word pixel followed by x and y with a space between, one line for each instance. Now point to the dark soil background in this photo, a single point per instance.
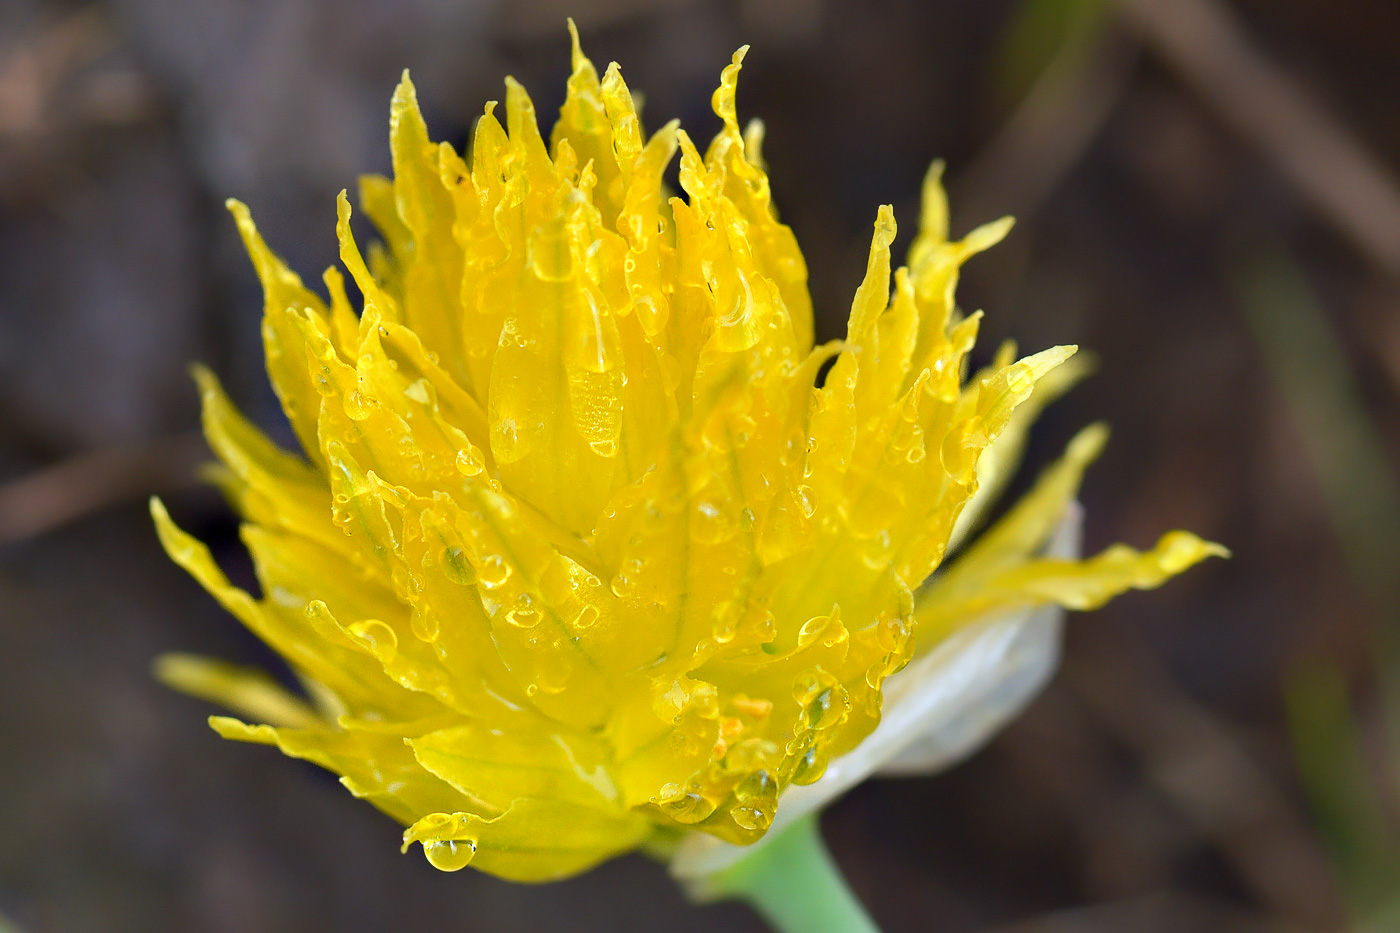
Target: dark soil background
pixel 1207 199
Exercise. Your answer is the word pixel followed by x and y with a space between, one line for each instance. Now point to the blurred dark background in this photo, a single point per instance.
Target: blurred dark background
pixel 1208 201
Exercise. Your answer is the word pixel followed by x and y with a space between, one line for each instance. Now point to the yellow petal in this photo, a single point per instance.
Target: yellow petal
pixel 286 358
pixel 537 839
pixel 245 690
pixel 1000 571
pixel 583 555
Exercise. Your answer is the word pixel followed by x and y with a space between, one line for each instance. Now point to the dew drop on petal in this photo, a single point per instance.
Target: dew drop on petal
pixel 505 440
pixel 811 630
pixel 470 462
pixel 456 567
pixel 524 613
pixel 424 623
pixel 377 637
pixel 358 406
pixel 752 818
pixel 810 768
pixel 683 805
pixel 712 523
pixel 726 624
pixel 493 571
pixel 586 617
pixel 450 854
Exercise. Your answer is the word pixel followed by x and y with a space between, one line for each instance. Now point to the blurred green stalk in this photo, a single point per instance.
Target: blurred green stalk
pixel 1311 370
pixel 1036 34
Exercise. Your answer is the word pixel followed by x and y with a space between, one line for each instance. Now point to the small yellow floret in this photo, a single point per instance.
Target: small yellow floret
pixel 581 555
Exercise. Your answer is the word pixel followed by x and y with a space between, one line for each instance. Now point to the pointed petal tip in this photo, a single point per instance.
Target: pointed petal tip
pixel 243 218
pixel 885 227
pixel 576 56
pixel 162 664
pixel 342 214
pixel 177 669
pixel 204 379
pixel 999 228
pixel 1089 442
pixel 1180 550
pixel 237 730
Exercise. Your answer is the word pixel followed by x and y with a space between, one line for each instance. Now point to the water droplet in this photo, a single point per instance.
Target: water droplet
pixel 604 448
pixel 623 586
pixel 319 615
pixel 456 567
pixel 713 523
pixel 683 806
pixel 377 637
pixel 549 253
pixel 876 551
pixel 726 622
pixel 892 633
pixel 524 613
pixel 757 785
pixel 450 854
pixel 752 818
pixel 505 439
pixel 876 673
pixel 424 623
pixel 811 630
pixel 810 768
pixel 492 571
pixel 825 703
pixel 470 461
pixel 586 617
pixel 358 406
pixel 553 670
pixel 323 383
pixel 805 500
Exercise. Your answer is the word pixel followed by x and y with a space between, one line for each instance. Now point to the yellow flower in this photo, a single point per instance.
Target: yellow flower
pixel 581 557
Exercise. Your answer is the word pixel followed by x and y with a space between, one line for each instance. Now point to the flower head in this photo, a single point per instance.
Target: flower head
pixel 584 554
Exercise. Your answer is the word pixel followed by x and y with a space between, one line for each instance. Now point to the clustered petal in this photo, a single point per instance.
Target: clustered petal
pixel 583 552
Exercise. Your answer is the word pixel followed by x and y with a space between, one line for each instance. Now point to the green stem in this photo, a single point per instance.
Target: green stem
pixel 794 883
